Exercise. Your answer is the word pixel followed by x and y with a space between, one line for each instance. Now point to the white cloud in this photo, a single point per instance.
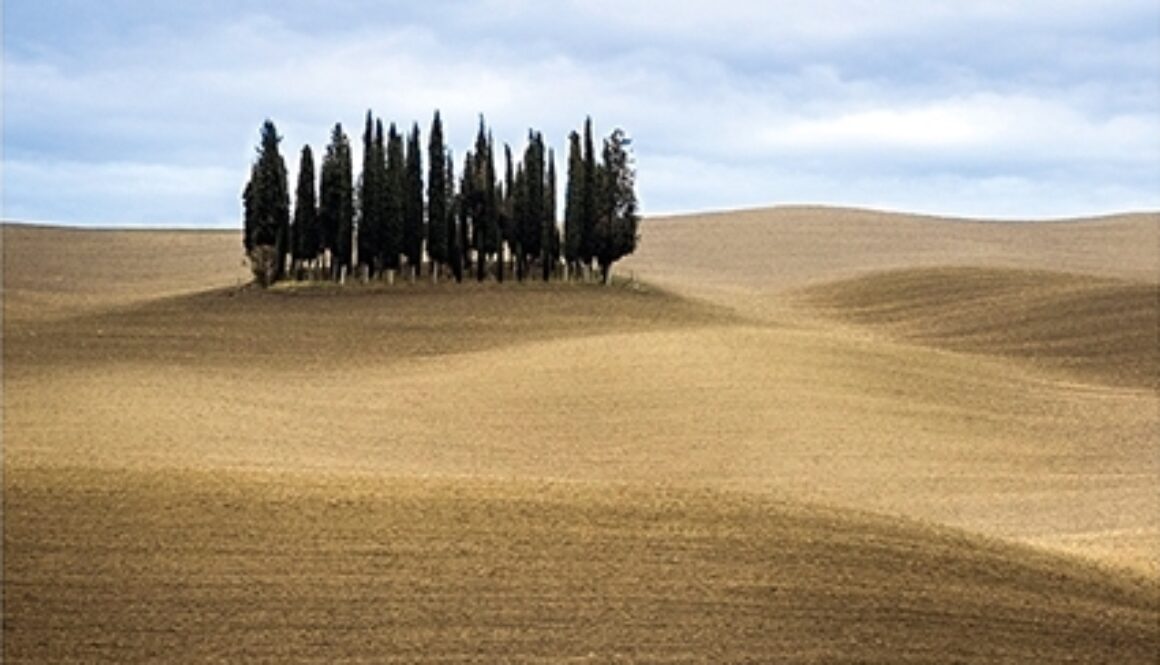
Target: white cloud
pixel 1020 127
pixel 730 103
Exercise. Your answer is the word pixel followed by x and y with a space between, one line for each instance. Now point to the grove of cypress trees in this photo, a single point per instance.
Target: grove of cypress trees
pixel 487 219
pixel 305 228
pixel 437 198
pixel 413 231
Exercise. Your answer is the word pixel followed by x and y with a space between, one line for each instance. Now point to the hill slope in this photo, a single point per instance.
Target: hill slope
pixel 555 473
pixel 305 568
pixel 1095 328
pixel 747 258
pixel 53 273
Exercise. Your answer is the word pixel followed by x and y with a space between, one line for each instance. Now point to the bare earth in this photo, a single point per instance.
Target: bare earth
pixel 811 435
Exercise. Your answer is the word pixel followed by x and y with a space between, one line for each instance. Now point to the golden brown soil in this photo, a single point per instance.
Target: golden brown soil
pixel 791 455
pixel 1098 329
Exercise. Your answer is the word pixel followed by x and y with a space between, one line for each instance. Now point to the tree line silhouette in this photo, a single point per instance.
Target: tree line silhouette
pixel 387 222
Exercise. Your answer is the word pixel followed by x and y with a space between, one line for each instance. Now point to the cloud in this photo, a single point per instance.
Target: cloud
pixel 730 103
pixel 1017 127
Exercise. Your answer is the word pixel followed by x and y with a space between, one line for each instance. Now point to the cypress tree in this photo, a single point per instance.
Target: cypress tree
pixel 370 219
pixel 344 170
pixel 551 241
pixel 519 219
pixel 336 202
pixel 437 198
pixel 530 196
pixel 573 204
pixel 267 207
pixel 507 215
pixel 413 231
pixel 454 230
pixel 250 210
pixel 491 209
pixel 305 211
pixel 468 229
pixel 394 234
pixel 588 200
pixel 617 205
pixel 483 203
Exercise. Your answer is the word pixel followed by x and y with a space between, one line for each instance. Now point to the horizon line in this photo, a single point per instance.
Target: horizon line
pixel 664 215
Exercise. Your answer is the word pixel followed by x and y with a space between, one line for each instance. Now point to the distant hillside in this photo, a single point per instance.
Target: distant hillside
pixel 778 248
pixel 54 271
pixel 1096 327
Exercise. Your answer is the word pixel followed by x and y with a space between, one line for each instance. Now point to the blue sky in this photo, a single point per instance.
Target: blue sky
pixel 143 113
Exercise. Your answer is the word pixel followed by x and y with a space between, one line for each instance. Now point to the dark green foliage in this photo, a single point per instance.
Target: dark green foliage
pixel 250 209
pixel 478 224
pixel 455 233
pixel 413 227
pixel 534 207
pixel 438 229
pixel 393 231
pixel 307 238
pixel 588 197
pixel 336 202
pixel 466 205
pixel 480 203
pixel 573 203
pixel 530 195
pixel 519 208
pixel 371 198
pixel 550 245
pixel 507 217
pixel 266 200
pixel 617 218
pixel 487 212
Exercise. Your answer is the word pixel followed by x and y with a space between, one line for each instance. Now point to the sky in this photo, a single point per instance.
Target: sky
pixel 143 113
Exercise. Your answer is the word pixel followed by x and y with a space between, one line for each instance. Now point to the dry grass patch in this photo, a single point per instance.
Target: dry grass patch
pixel 1095 328
pixel 51 273
pixel 127 566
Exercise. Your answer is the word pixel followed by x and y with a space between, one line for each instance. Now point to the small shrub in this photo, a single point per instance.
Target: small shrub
pixel 264 264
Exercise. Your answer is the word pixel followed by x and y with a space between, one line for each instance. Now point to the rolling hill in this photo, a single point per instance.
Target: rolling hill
pixel 809 434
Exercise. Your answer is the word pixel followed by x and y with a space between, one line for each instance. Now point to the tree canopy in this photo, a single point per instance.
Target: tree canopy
pixel 477 224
